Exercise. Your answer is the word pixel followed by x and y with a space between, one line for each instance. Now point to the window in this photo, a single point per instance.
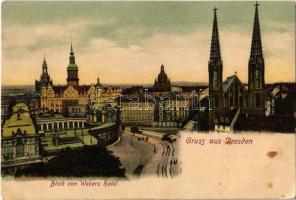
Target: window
pixel 257 78
pixel 20 149
pixel 215 80
pixel 257 100
pixel 31 149
pixel 7 151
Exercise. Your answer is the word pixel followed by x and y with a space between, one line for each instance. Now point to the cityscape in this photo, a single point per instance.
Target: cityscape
pixel 133 130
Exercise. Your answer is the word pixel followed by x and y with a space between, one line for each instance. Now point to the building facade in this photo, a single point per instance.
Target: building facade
pixel 136 111
pixel 235 94
pixel 103 111
pixel 58 98
pixel 20 141
pixel 154 111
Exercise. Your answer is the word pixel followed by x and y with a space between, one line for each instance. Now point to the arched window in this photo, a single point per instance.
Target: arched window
pixel 55 126
pixel 20 149
pixel 257 78
pixel 44 126
pixel 65 125
pixel 215 80
pixel 109 116
pixel 71 125
pixel 60 125
pixel 50 126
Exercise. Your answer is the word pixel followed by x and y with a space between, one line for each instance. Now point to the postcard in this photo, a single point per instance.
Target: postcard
pixel 148 100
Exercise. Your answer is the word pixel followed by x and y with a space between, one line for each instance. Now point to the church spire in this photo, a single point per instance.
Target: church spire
pixel 98 82
pixel 256 47
pixel 256 80
pixel 44 67
pixel 72 57
pixel 215 55
pixel 71 47
pixel 162 68
pixel 215 68
pixel 72 70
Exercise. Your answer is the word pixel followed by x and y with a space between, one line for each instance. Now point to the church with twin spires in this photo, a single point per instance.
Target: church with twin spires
pixel 231 97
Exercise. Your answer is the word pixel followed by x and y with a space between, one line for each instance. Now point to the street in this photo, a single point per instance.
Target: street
pixel 147 154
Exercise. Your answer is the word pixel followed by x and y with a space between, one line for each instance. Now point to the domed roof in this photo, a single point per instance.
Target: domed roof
pixel 162 75
pixel 162 82
pixel 19 122
pixel 72 67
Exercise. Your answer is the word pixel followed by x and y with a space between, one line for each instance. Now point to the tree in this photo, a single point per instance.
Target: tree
pixel 89 161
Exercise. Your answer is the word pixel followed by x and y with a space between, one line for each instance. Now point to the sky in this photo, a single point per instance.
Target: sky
pixel 126 42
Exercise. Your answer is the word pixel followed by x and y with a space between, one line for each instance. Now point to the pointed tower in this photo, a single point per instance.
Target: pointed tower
pixel 215 68
pixel 44 78
pixel 256 82
pixel 98 84
pixel 98 88
pixel 72 70
pixel 44 69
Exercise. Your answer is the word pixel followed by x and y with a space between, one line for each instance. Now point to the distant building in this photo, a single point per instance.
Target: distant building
pixel 154 110
pixel 136 111
pixel 172 110
pixel 110 92
pixel 32 99
pixel 20 141
pixel 281 99
pixel 162 83
pixel 104 121
pixel 103 111
pixel 4 108
pixel 77 111
pixel 51 122
pixel 235 94
pixel 58 98
pixel 133 90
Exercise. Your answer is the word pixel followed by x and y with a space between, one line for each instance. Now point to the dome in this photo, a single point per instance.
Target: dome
pixel 19 122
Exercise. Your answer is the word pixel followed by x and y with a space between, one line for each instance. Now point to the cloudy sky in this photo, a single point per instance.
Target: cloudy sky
pixel 126 42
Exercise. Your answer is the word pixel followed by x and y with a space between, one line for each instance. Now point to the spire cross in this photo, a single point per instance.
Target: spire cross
pixel 256 4
pixel 215 9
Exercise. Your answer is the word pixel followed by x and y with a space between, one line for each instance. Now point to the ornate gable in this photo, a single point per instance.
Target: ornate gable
pixel 70 92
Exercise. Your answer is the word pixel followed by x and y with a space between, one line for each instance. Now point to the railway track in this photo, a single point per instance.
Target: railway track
pixel 165 166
